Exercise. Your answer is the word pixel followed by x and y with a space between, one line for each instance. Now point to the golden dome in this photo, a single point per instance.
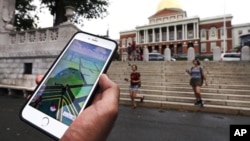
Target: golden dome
pixel 169 4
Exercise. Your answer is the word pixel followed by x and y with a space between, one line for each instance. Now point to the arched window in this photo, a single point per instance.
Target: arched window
pixel 123 42
pixel 213 33
pixel 203 34
pixel 129 41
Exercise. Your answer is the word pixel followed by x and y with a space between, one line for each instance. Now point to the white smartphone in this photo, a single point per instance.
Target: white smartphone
pixel 68 86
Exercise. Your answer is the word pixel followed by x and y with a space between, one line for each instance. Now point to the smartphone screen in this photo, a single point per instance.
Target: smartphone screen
pixel 66 89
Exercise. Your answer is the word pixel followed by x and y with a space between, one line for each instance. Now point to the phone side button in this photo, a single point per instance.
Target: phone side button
pixel 45 121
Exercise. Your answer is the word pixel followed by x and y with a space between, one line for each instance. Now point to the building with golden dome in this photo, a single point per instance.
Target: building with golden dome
pixel 170 28
pixel 168 4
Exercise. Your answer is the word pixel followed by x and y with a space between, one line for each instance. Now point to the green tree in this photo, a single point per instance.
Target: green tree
pixel 24 19
pixel 88 9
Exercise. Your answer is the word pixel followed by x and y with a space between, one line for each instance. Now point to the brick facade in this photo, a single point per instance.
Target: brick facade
pixel 185 31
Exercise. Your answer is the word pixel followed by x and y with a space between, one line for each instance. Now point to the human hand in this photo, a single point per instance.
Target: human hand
pixel 39 79
pixel 96 121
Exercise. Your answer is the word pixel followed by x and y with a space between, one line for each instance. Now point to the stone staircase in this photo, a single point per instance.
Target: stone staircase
pixel 166 85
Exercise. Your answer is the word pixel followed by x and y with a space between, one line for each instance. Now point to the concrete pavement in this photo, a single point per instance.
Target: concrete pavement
pixel 141 124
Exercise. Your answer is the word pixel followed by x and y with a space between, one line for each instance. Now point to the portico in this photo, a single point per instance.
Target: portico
pixel 178 36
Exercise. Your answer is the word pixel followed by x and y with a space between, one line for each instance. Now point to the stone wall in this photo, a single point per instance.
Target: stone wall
pixel 37 47
pixel 12 70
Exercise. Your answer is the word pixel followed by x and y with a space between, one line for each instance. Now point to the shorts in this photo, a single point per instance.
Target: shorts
pixel 133 87
pixel 195 82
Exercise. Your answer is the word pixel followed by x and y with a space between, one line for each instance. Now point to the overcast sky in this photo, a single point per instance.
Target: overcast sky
pixel 127 14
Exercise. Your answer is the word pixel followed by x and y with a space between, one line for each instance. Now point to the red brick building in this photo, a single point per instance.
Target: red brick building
pixel 170 28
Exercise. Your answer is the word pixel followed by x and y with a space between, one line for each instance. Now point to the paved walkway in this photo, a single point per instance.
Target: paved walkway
pixel 141 124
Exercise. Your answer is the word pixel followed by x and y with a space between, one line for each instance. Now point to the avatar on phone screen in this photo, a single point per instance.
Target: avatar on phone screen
pixel 67 87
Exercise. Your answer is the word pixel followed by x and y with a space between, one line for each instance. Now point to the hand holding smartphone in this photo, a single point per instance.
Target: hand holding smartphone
pixel 68 86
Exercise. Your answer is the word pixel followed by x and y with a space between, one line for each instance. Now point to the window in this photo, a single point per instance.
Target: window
pixel 123 42
pixel 212 46
pixel 213 32
pixel 203 47
pixel 129 40
pixel 150 37
pixel 142 39
pixel 172 18
pixel 213 35
pixel 27 68
pixel 171 35
pixel 164 36
pixel 203 33
pixel 179 35
pixel 157 37
pixel 232 55
pixel 190 34
pixel 180 17
pixel 240 32
pixel 141 36
pixel 165 19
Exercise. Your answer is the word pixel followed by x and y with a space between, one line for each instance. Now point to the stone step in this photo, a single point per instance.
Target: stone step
pixel 180 73
pixel 166 66
pixel 166 89
pixel 166 85
pixel 189 107
pixel 189 93
pixel 174 84
pixel 184 80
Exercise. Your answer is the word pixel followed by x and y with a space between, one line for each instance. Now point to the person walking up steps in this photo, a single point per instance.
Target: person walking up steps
pixel 197 77
pixel 135 79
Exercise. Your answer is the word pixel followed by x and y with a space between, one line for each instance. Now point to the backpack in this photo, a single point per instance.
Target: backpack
pixel 202 77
